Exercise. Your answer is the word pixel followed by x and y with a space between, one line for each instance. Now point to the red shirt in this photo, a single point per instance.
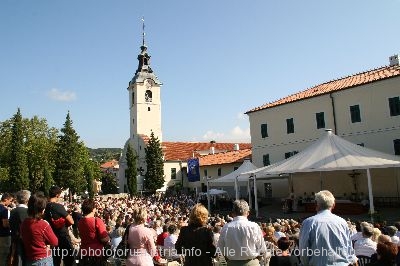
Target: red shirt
pixel 91 235
pixel 36 235
pixel 160 238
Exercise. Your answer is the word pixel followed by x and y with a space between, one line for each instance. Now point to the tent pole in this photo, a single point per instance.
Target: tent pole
pixel 255 196
pixel 320 180
pixel 236 189
pixel 371 197
pixel 249 192
pixel 208 196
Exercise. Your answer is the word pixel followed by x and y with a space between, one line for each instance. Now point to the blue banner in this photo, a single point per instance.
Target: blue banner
pixel 193 170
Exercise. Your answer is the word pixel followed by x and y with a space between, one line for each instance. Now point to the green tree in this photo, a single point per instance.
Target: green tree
pixel 40 146
pixel 5 153
pixel 92 172
pixel 18 175
pixel 47 181
pixel 71 156
pixel 154 177
pixel 131 170
pixel 109 184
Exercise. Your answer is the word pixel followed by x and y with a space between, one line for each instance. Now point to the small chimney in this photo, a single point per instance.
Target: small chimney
pixel 394 60
pixel 236 147
pixel 212 150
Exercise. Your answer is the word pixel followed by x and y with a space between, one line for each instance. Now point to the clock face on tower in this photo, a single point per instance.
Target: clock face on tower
pixel 149 83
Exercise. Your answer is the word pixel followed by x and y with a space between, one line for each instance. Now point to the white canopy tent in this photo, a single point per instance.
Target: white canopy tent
pixel 330 153
pixel 237 176
pixel 214 192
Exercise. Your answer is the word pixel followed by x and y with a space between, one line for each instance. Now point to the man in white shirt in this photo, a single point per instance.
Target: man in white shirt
pixel 169 242
pixel 241 241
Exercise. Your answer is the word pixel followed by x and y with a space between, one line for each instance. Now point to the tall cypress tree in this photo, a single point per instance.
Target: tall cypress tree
pixel 131 170
pixel 18 176
pixel 70 159
pixel 155 164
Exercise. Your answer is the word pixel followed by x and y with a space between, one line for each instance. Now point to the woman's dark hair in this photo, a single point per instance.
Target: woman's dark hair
pixel 87 206
pixel 36 206
pixel 283 243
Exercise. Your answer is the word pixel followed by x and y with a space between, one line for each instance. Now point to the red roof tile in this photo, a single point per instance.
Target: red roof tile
pixel 336 85
pixel 225 157
pixel 181 151
pixel 109 164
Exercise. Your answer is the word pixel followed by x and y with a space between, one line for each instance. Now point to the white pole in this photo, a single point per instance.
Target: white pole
pixel 255 196
pixel 208 197
pixel 371 197
pixel 249 192
pixel 236 189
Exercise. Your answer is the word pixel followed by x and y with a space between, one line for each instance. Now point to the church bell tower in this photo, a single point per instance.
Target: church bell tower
pixel 144 100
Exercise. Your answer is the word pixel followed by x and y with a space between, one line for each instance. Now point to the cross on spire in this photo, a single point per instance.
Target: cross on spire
pixel 143 32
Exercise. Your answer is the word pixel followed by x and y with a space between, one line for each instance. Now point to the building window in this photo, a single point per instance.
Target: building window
pixel 219 171
pixel 290 154
pixel 264 130
pixel 289 125
pixel 148 96
pixel 133 98
pixel 266 160
pixel 205 173
pixel 148 109
pixel 396 144
pixel 235 168
pixel 173 173
pixel 355 113
pixel 133 121
pixel 320 120
pixel 394 106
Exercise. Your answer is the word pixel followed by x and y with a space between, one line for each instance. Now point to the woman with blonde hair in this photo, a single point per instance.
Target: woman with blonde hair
pixel 140 240
pixel 195 241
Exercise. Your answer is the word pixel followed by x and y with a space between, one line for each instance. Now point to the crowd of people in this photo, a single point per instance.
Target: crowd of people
pixel 158 229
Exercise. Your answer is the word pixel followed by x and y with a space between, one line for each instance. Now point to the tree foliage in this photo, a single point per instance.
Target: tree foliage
pixel 40 149
pixel 19 178
pixel 109 183
pixel 131 170
pixel 92 172
pixel 70 159
pixel 34 153
pixel 154 178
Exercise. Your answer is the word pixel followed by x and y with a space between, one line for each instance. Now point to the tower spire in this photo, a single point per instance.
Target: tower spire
pixel 143 32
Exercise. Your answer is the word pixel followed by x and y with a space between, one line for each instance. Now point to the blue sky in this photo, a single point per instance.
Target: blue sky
pixel 216 58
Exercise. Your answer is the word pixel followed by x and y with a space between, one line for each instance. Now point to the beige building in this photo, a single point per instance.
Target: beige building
pixel 363 108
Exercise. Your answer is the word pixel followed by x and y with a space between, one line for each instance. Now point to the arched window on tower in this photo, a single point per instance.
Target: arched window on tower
pixel 148 97
pixel 133 98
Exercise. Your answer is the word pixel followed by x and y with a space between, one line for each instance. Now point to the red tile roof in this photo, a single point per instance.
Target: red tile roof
pixel 337 85
pixel 225 157
pixel 181 151
pixel 109 164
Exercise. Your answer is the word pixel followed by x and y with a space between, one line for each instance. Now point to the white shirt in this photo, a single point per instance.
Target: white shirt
pixel 241 240
pixel 169 246
pixel 357 236
pixel 365 247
